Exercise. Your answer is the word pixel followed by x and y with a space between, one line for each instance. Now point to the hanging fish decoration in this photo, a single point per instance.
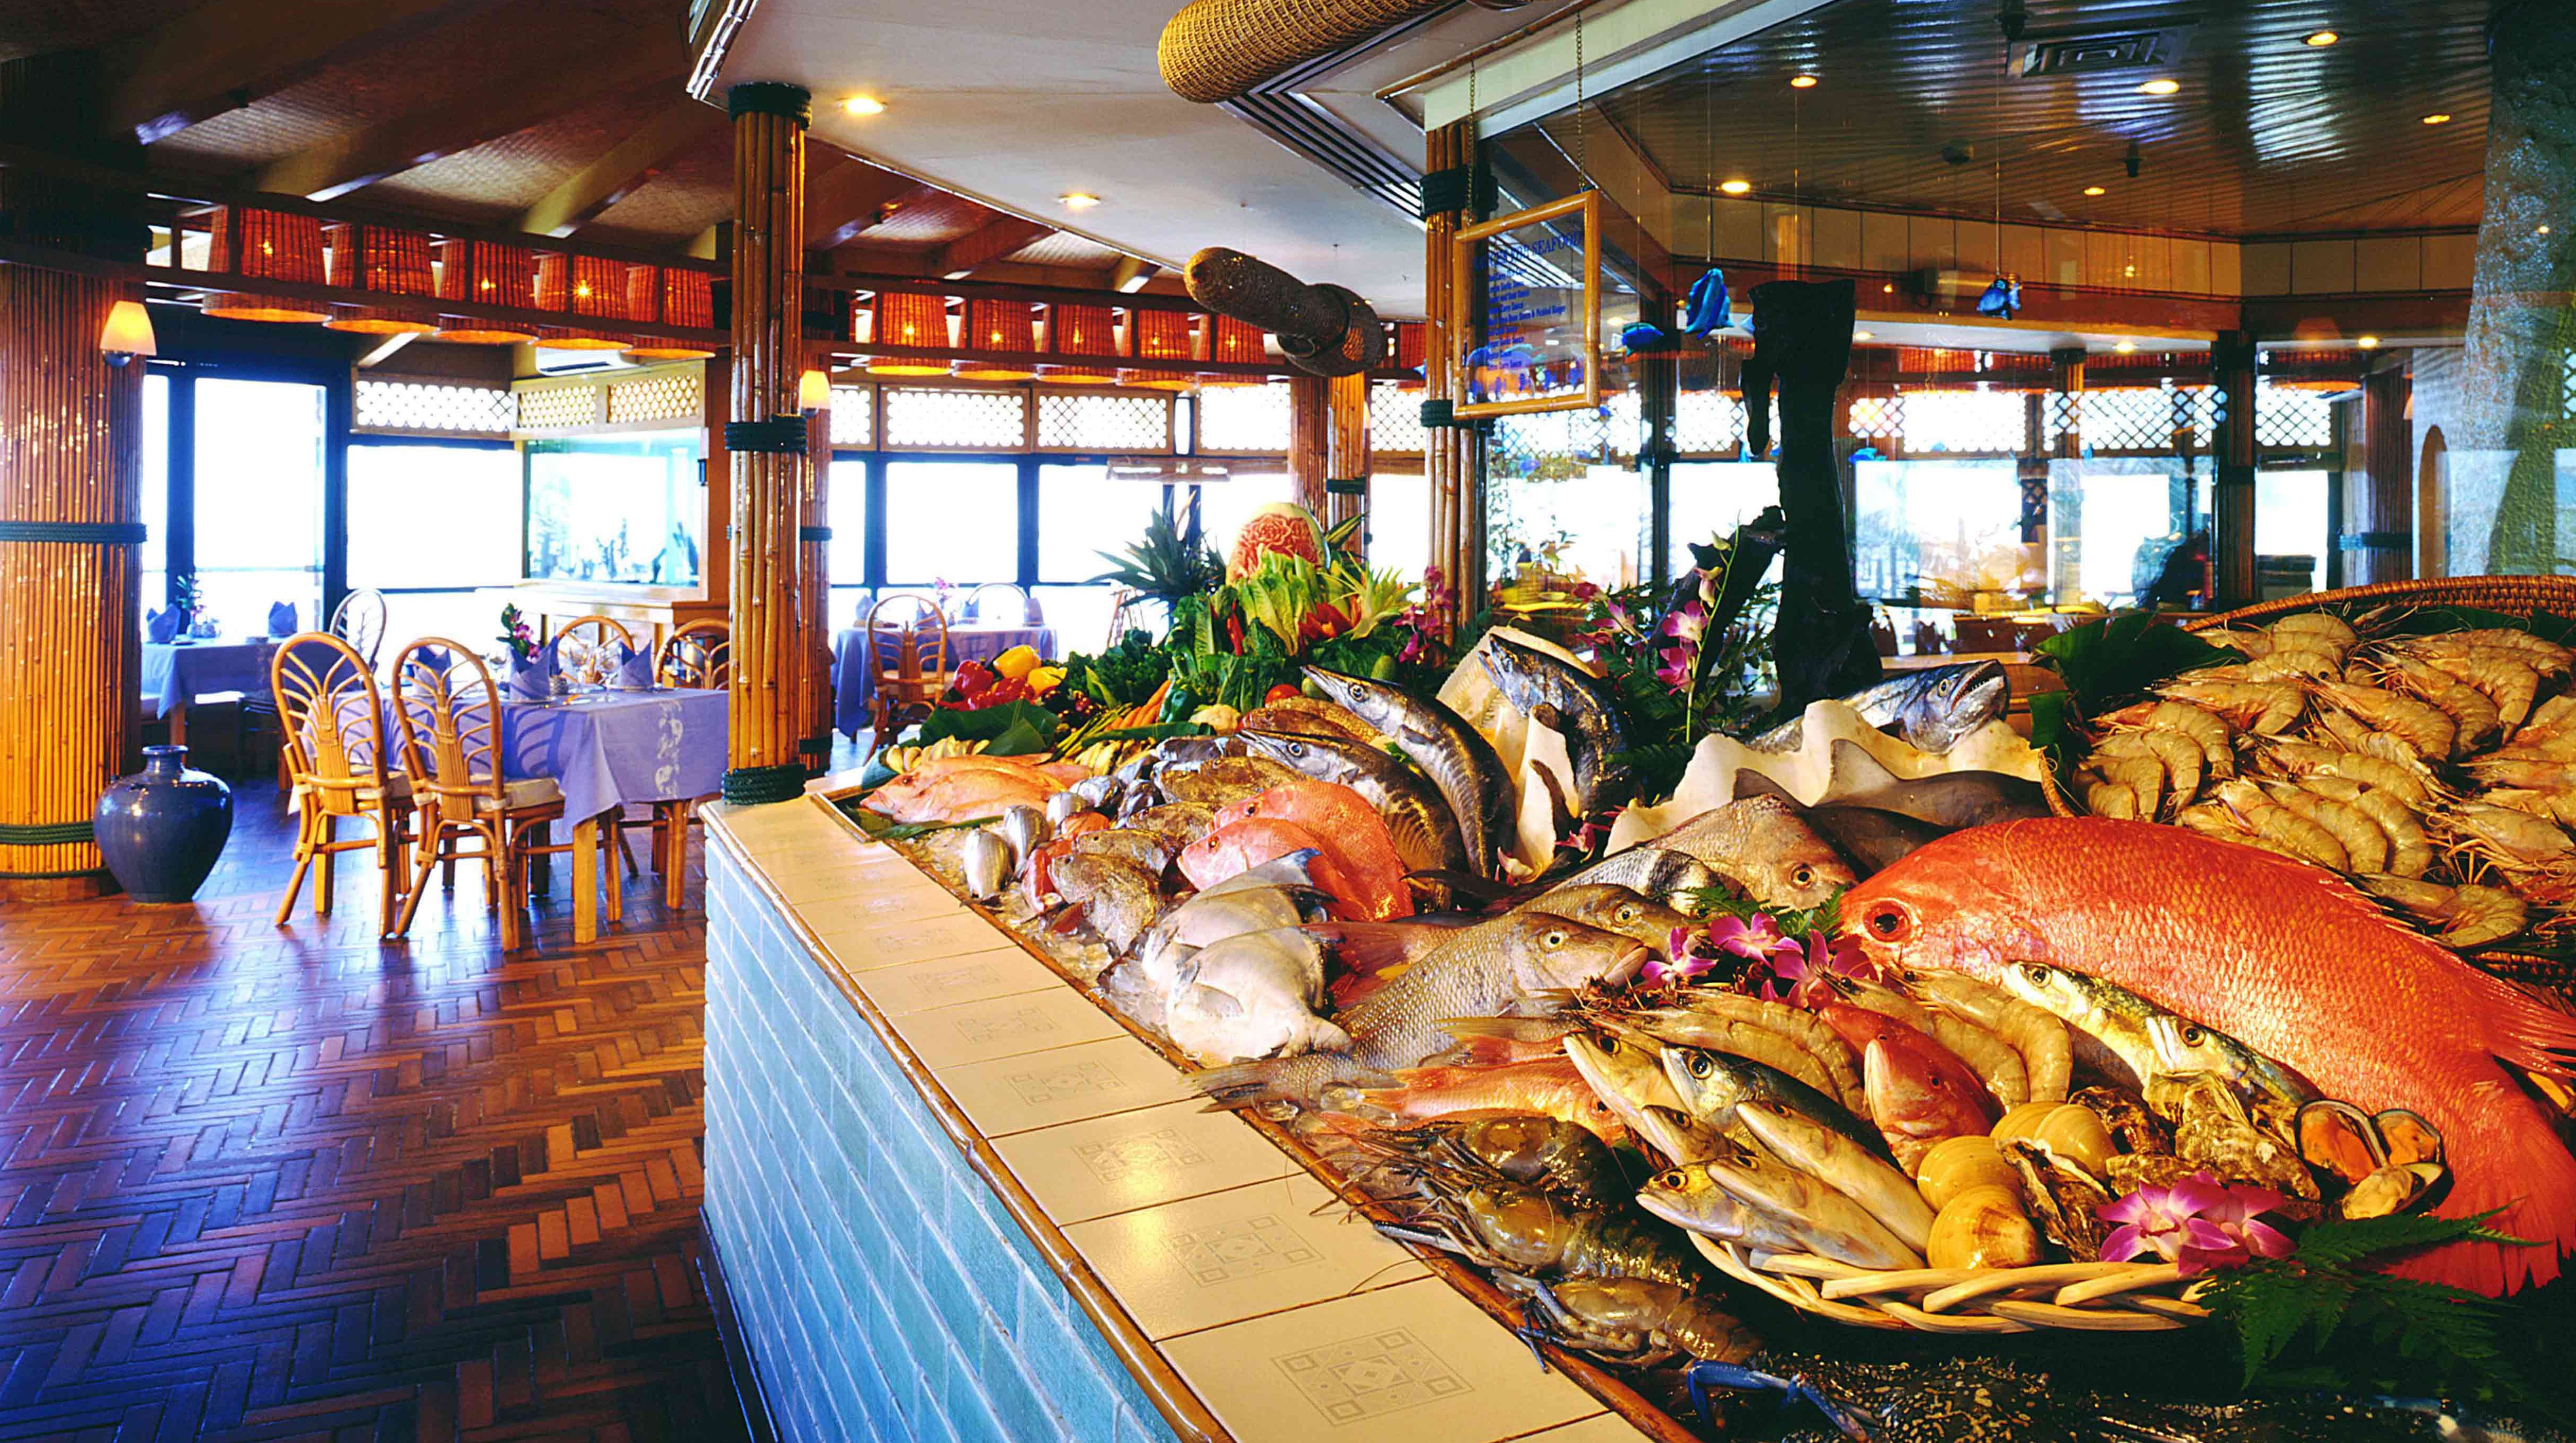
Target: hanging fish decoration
pixel 1706 308
pixel 2003 298
pixel 1647 338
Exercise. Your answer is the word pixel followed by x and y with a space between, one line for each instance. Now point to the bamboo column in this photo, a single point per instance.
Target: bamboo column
pixel 1309 440
pixel 2231 500
pixel 1449 455
pixel 773 484
pixel 1346 452
pixel 70 498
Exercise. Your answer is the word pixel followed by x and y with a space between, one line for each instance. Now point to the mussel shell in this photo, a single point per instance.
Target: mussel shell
pixel 1063 805
pixel 2407 1137
pixel 2393 1189
pixel 2339 1138
pixel 1023 827
pixel 985 859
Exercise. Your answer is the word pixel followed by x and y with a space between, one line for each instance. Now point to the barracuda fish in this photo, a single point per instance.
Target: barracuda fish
pixel 1931 708
pixel 1459 761
pixel 1425 831
pixel 1578 706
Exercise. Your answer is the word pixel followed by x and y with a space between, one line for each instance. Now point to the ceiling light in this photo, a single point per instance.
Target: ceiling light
pixel 2323 38
pixel 1735 187
pixel 2126 347
pixel 2160 87
pixel 2438 117
pixel 2543 229
pixel 1889 288
pixel 1864 335
pixel 2095 190
pixel 862 105
pixel 2368 343
pixel 1802 82
pixel 1078 200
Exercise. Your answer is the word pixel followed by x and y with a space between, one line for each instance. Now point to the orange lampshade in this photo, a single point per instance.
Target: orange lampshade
pixel 1000 326
pixel 905 318
pixel 1237 341
pixel 581 286
pixel 389 262
pixel 1162 336
pixel 675 297
pixel 1080 331
pixel 490 273
pixel 1412 348
pixel 274 247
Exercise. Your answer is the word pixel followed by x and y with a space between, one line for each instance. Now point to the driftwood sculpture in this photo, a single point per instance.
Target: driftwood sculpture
pixel 1323 329
pixel 1802 342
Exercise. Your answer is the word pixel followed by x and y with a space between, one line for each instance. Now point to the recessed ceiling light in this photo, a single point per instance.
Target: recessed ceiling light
pixel 2368 343
pixel 1078 200
pixel 2542 229
pixel 2125 347
pixel 1802 82
pixel 862 105
pixel 2323 38
pixel 1864 335
pixel 2438 117
pixel 2095 190
pixel 1735 187
pixel 2160 87
pixel 1889 288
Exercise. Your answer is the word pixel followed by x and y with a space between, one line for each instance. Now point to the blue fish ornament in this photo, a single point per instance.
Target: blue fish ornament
pixel 2003 298
pixel 1706 308
pixel 1647 338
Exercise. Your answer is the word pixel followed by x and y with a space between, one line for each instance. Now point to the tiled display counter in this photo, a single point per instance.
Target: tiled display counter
pixel 951 1198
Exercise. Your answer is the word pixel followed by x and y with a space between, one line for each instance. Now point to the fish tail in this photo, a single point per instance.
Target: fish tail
pixel 2516 1167
pixel 1303 1079
pixel 2538 1036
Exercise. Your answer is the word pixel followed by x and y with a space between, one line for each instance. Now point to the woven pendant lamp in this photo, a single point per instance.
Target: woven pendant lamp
pixel 675 297
pixel 1412 347
pixel 1162 336
pixel 274 247
pixel 1080 331
pixel 908 318
pixel 1000 326
pixel 583 286
pixel 494 275
pixel 389 262
pixel 1237 341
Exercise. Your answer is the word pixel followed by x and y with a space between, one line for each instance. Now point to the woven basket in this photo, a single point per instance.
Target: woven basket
pixel 2070 1297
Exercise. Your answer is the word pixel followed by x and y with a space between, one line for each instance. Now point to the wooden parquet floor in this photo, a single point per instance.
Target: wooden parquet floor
pixel 286 1184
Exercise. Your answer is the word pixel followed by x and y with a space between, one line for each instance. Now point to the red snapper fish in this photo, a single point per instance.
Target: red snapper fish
pixel 1352 833
pixel 1241 846
pixel 2285 958
pixel 1919 1091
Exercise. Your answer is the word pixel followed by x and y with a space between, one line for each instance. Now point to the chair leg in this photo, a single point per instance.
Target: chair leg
pixel 295 884
pixel 513 891
pixel 324 862
pixel 610 881
pixel 431 847
pixel 675 852
pixel 447 875
pixel 390 865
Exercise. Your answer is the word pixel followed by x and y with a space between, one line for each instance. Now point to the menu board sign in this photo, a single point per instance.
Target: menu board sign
pixel 1529 310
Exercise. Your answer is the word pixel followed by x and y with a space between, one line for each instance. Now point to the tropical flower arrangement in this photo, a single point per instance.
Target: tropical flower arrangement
pixel 516 634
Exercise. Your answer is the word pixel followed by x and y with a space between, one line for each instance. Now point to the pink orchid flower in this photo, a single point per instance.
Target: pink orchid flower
pixel 2197 1224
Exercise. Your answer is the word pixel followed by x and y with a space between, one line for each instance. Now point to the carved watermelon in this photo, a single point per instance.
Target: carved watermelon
pixel 1281 526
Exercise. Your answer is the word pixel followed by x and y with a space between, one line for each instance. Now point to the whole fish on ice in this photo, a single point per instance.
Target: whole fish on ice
pixel 1931 708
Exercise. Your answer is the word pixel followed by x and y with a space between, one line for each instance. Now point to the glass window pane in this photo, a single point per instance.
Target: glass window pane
pixel 464 615
pixel 259 501
pixel 617 508
pixel 846 504
pixel 2113 524
pixel 1945 531
pixel 154 558
pixel 1399 524
pixel 1225 505
pixel 1244 418
pixel 444 516
pixel 1712 498
pixel 2289 532
pixel 1079 615
pixel 1082 513
pixel 953 521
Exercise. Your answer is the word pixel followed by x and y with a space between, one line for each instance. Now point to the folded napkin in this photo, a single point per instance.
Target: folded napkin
pixel 163 626
pixel 635 673
pixel 281 619
pixel 533 679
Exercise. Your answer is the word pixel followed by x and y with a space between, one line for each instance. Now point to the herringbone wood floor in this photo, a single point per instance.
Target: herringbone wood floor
pixel 261 1183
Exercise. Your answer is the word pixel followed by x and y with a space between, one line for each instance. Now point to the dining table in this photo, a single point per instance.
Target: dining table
pixel 854 678
pixel 176 673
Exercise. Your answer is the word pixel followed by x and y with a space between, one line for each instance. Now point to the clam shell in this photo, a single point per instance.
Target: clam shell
pixel 1063 805
pixel 1983 1227
pixel 2341 1139
pixel 2018 1121
pixel 1023 827
pixel 2076 1135
pixel 985 859
pixel 1957 1165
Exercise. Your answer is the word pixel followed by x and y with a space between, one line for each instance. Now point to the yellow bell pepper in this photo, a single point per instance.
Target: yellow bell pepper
pixel 1016 663
pixel 1045 679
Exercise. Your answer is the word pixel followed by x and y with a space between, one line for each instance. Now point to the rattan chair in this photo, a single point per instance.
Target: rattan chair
pixel 1022 607
pixel 699 654
pixel 894 653
pixel 359 620
pixel 583 650
pixel 333 723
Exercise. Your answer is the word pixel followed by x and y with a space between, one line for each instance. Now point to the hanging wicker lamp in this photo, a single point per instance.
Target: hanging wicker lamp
pixel 909 318
pixel 1162 336
pixel 1080 331
pixel 274 247
pixel 389 262
pixel 581 286
pixel 488 273
pixel 1239 342
pixel 675 296
pixel 1412 348
pixel 1000 326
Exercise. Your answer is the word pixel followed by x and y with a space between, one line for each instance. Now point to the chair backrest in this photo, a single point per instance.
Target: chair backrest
pixel 450 729
pixel 332 719
pixel 1010 603
pixel 699 654
pixel 584 650
pixel 359 620
pixel 898 618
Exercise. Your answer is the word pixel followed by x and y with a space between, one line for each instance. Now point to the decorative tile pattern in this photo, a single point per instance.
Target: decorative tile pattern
pixel 1231 1252
pixel 1117 1160
pixel 1370 1376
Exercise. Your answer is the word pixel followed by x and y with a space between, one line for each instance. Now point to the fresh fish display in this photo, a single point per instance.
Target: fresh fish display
pixel 1117 897
pixel 1915 1100
pixel 1531 1231
pixel 1758 845
pixel 1177 823
pixel 1147 850
pixel 2281 957
pixel 1626 1074
pixel 1843 1228
pixel 1457 759
pixel 1949 800
pixel 935 793
pixel 1242 845
pixel 1869 838
pixel 1023 828
pixel 984 859
pixel 1235 906
pixel 1549 1087
pixel 2107 1022
pixel 1308 716
pixel 1424 830
pixel 1886 1193
pixel 1578 706
pixel 1251 995
pixel 1614 908
pixel 1931 708
pixel 1222 780
pixel 1711 1085
pixel 1342 820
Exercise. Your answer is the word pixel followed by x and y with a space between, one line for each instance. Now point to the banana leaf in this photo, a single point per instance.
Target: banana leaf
pixel 1013 729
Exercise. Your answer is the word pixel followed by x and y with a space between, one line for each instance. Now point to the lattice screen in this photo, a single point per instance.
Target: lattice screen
pixel 2135 418
pixel 1244 418
pixel 2567 386
pixel 554 408
pixel 1969 422
pixel 1395 418
pixel 2292 418
pixel 854 418
pixel 1091 421
pixel 664 396
pixel 955 420
pixel 1708 423
pixel 418 408
pixel 1877 418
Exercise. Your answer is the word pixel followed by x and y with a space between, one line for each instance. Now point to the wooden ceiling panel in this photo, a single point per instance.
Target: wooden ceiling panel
pixel 41 27
pixel 693 192
pixel 930 217
pixel 2267 135
pixel 499 180
pixel 1064 248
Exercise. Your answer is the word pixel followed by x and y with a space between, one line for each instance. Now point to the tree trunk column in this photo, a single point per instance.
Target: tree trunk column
pixel 1346 453
pixel 1310 428
pixel 70 504
pixel 2522 317
pixel 773 478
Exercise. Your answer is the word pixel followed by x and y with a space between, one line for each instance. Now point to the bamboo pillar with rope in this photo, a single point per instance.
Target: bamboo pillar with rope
pixel 766 442
pixel 1309 440
pixel 1449 457
pixel 71 425
pixel 1346 452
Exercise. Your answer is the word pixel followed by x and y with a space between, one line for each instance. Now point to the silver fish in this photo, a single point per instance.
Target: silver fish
pixel 1627 1073
pixel 1118 897
pixel 1064 806
pixel 1950 799
pixel 1870 838
pixel 1577 706
pixel 1251 995
pixel 1022 828
pixel 1147 851
pixel 1710 1084
pixel 1219 913
pixel 1614 908
pixel 1457 759
pixel 2106 1022
pixel 1757 843
pixel 1931 708
pixel 1425 831
pixel 1100 793
pixel 985 859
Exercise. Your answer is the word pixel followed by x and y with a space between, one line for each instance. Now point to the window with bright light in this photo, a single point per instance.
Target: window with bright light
pixel 957 521
pixel 2111 525
pixel 153 557
pixel 625 507
pixel 2291 532
pixel 429 526
pixel 1399 524
pixel 259 502
pixel 846 504
pixel 1711 499
pixel 1083 513
pixel 1225 505
pixel 1944 531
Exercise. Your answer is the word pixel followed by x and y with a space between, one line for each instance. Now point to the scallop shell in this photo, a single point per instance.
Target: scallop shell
pixel 986 861
pixel 1956 1165
pixel 1983 1227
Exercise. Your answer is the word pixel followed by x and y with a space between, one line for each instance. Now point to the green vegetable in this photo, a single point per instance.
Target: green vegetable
pixel 1179 703
pixel 1383 669
pixel 1159 731
pixel 1013 729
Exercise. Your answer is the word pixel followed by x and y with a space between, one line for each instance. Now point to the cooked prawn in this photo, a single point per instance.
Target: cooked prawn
pixel 2426 729
pixel 2547 656
pixel 2365 845
pixel 2409 854
pixel 2266 708
pixel 2334 629
pixel 2305 759
pixel 2507 678
pixel 2557 804
pixel 2307 840
pixel 2047 1054
pixel 2472 712
pixel 1995 1062
pixel 2513 840
pixel 2464 916
pixel 2555 712
pixel 2177 755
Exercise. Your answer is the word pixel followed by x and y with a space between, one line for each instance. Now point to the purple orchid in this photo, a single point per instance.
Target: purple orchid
pixel 2197 1224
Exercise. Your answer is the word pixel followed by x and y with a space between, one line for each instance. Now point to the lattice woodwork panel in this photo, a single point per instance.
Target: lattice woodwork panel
pixel 1970 422
pixel 1395 419
pixel 2293 418
pixel 943 420
pixel 2567 386
pixel 1244 418
pixel 416 407
pixel 1708 423
pixel 667 396
pixel 2143 418
pixel 555 408
pixel 1877 418
pixel 854 419
pixel 1085 421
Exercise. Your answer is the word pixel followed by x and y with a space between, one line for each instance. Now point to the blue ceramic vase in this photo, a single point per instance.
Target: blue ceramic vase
pixel 162 828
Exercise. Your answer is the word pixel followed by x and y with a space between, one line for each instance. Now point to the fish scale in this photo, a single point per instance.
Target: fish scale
pixel 2281 956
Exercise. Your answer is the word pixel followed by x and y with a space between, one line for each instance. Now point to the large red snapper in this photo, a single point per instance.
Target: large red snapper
pixel 1242 846
pixel 1348 827
pixel 2285 958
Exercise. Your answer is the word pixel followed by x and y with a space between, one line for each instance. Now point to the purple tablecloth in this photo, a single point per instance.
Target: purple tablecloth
pixel 177 674
pixel 854 680
pixel 606 749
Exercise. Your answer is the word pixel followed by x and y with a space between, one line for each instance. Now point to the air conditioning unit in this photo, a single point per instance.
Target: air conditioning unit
pixel 552 361
pixel 2066 53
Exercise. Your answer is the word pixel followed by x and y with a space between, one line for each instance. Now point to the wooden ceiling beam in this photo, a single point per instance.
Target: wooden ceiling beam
pixel 538 90
pixel 624 170
pixel 1000 236
pixel 226 54
pixel 845 200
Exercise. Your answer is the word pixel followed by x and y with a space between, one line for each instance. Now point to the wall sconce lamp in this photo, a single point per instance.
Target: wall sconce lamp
pixel 813 392
pixel 127 334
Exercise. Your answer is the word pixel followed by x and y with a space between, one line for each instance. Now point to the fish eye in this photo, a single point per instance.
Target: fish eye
pixel 1889 921
pixel 2037 972
pixel 1700 1066
pixel 1802 877
pixel 1628 912
pixel 1671 1179
pixel 1551 939
pixel 2192 1036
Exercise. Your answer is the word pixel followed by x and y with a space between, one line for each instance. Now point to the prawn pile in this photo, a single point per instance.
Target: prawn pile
pixel 2432 769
